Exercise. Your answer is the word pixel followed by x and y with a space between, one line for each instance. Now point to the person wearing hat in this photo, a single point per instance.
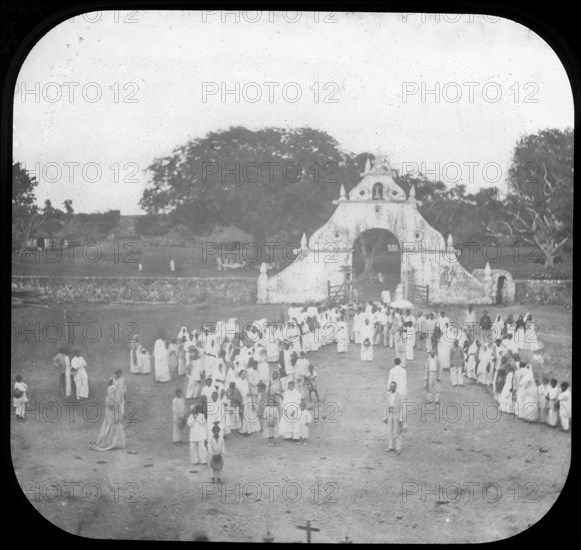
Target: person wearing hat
pixel 217 450
pixel 78 366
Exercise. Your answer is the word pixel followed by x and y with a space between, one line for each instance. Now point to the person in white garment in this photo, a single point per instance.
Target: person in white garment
pixel 457 364
pixel 366 341
pixel 289 427
pixel 184 343
pixel 471 361
pixel 20 398
pixel 398 375
pixel 78 370
pixel 409 322
pixel 430 328
pixel 552 399
pixel 433 376
pixel 194 371
pixel 342 336
pixel 386 297
pixel 161 360
pixel 565 408
pixel 470 322
pixel 393 417
pixel 63 365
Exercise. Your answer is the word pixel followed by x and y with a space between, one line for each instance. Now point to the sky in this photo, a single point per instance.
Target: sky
pixel 103 95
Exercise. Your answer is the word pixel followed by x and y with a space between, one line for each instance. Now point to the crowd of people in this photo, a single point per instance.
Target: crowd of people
pixel 236 380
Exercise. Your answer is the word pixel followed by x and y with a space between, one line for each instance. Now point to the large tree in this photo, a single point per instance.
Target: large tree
pixel 268 182
pixel 539 206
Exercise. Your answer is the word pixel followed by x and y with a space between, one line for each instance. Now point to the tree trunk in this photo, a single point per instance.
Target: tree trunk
pixel 549 260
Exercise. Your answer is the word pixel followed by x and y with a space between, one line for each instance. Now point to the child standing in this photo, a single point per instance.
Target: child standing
pixel 304 421
pixel 311 382
pixel 179 411
pixel 551 398
pixel 270 420
pixel 198 436
pixel 20 398
pixel 565 406
pixel 217 450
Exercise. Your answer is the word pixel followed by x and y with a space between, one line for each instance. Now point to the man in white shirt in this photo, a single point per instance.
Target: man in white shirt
pixel 386 297
pixel 410 334
pixel 393 417
pixel 433 376
pixel 398 375
pixel 430 328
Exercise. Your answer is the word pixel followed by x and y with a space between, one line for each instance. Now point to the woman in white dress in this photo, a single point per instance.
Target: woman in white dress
pixel 184 342
pixel 484 360
pixel 250 420
pixel 134 355
pixel 160 359
pixel 444 347
pixel 506 404
pixel 289 426
pixel 531 340
pixel 519 333
pixel 526 408
pixel 342 336
pixel 471 363
pixel 357 325
pixel 143 361
pixel 78 366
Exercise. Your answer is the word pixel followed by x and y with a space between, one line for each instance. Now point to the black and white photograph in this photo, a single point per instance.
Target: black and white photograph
pixel 291 276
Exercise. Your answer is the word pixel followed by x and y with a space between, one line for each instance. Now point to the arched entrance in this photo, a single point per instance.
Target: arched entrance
pixel 376 263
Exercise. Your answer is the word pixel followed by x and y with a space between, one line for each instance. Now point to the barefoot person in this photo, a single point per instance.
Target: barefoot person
pixel 161 360
pixel 288 427
pixel 78 369
pixel 433 376
pixel 112 434
pixel 179 411
pixel 216 450
pixel 393 417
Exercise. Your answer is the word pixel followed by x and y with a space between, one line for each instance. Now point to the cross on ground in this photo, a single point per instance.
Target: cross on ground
pixel 308 529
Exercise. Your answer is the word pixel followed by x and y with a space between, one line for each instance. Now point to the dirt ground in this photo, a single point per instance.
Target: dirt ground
pixel 461 477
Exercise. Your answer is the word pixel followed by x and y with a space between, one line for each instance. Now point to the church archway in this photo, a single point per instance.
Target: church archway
pixel 376 263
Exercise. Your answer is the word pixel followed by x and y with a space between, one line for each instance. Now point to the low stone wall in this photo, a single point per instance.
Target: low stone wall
pixel 138 289
pixel 544 292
